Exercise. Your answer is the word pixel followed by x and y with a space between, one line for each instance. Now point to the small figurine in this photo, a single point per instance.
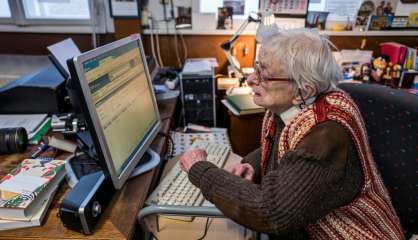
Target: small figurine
pixel 379 64
pixel 365 71
pixel 396 74
pixel 380 9
pixel 388 10
pixel 387 76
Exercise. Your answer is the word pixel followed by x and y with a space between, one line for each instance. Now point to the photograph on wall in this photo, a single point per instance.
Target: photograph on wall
pixel 124 8
pixel 238 6
pixel 294 7
pixel 184 17
pixel 225 18
pixel 316 19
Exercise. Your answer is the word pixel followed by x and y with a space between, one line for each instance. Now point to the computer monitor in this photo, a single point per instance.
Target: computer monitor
pixel 118 103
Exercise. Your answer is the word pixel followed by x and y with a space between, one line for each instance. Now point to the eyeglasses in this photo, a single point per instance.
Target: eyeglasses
pixel 260 78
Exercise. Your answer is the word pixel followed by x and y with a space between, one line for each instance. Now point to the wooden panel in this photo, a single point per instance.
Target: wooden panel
pixel 203 46
pixel 36 43
pixel 245 132
pixel 126 27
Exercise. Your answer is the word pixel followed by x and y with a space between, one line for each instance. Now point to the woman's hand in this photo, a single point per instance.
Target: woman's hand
pixel 243 170
pixel 190 157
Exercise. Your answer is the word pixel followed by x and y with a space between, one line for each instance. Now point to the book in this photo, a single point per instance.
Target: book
pixel 31 122
pixel 242 104
pixel 38 215
pixel 22 190
pixel 35 124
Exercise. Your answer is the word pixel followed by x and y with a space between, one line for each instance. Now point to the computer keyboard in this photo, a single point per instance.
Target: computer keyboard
pixel 176 189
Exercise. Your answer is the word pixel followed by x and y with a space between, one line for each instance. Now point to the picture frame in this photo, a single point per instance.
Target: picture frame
pixel 124 8
pixel 399 22
pixel 380 22
pixel 316 19
pixel 286 7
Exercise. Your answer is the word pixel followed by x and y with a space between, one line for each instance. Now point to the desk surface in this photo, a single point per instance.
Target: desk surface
pixel 119 219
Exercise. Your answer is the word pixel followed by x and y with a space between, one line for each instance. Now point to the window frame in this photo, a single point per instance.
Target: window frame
pixel 7 20
pixel 20 23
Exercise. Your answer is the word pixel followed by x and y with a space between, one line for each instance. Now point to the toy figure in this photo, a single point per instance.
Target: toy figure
pixel 380 9
pixel 396 74
pixel 365 72
pixel 379 64
pixel 387 76
pixel 387 10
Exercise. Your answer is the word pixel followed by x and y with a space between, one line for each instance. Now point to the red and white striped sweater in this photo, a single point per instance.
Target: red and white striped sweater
pixel 370 215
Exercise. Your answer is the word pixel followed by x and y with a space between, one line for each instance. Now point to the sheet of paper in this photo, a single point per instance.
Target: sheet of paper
pixel 197 67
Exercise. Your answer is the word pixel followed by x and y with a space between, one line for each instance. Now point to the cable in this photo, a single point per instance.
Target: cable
pixel 176 47
pixel 206 228
pixel 152 42
pixel 170 153
pixel 185 51
pixel 153 236
pixel 158 49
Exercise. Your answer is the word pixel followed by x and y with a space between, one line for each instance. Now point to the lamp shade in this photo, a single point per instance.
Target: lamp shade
pixel 267 27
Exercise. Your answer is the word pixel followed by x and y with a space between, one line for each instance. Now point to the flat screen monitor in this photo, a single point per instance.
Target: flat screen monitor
pixel 118 103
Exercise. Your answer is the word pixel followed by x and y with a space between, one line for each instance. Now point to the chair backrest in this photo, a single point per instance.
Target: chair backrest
pixel 391 118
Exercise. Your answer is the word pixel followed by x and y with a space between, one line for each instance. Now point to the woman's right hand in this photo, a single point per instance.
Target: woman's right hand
pixel 243 170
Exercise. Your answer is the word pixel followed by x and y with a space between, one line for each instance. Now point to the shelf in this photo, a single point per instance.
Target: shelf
pixel 252 32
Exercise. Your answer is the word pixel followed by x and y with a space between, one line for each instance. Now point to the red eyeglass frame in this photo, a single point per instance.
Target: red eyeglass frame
pixel 257 68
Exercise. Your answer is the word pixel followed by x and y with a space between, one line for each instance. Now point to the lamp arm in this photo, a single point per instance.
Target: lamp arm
pixel 227 45
pixel 234 64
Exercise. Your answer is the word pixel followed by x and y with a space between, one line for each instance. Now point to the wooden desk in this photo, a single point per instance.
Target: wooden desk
pixel 245 132
pixel 119 219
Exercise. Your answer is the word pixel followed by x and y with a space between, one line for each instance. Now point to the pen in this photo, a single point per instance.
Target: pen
pixel 42 148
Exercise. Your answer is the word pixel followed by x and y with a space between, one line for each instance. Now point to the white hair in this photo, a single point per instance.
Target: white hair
pixel 305 56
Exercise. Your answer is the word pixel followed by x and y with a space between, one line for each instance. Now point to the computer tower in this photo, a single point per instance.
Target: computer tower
pixel 198 98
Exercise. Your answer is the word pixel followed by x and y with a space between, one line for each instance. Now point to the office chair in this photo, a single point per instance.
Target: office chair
pixel 391 118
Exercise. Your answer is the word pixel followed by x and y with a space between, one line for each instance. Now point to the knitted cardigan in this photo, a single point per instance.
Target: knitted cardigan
pixel 370 215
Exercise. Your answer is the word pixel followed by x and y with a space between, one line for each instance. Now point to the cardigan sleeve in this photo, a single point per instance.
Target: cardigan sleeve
pixel 300 191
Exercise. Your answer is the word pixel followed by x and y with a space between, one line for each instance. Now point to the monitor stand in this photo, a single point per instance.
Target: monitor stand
pixel 149 160
pixel 85 163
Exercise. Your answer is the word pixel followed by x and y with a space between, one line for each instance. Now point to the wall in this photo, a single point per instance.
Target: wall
pixel 198 45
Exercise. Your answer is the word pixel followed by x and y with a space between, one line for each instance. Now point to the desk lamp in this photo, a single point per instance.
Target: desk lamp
pixel 266 28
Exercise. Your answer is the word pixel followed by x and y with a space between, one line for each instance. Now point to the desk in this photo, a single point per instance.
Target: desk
pixel 245 132
pixel 119 219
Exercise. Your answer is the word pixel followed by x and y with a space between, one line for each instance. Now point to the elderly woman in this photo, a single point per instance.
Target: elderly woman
pixel 313 176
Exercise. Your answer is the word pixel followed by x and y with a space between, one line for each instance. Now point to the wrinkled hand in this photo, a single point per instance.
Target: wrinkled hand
pixel 191 157
pixel 243 170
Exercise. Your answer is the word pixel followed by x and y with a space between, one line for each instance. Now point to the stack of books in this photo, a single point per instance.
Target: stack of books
pixel 242 104
pixel 27 191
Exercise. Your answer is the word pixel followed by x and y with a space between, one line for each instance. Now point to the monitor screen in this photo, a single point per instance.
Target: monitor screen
pixel 123 117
